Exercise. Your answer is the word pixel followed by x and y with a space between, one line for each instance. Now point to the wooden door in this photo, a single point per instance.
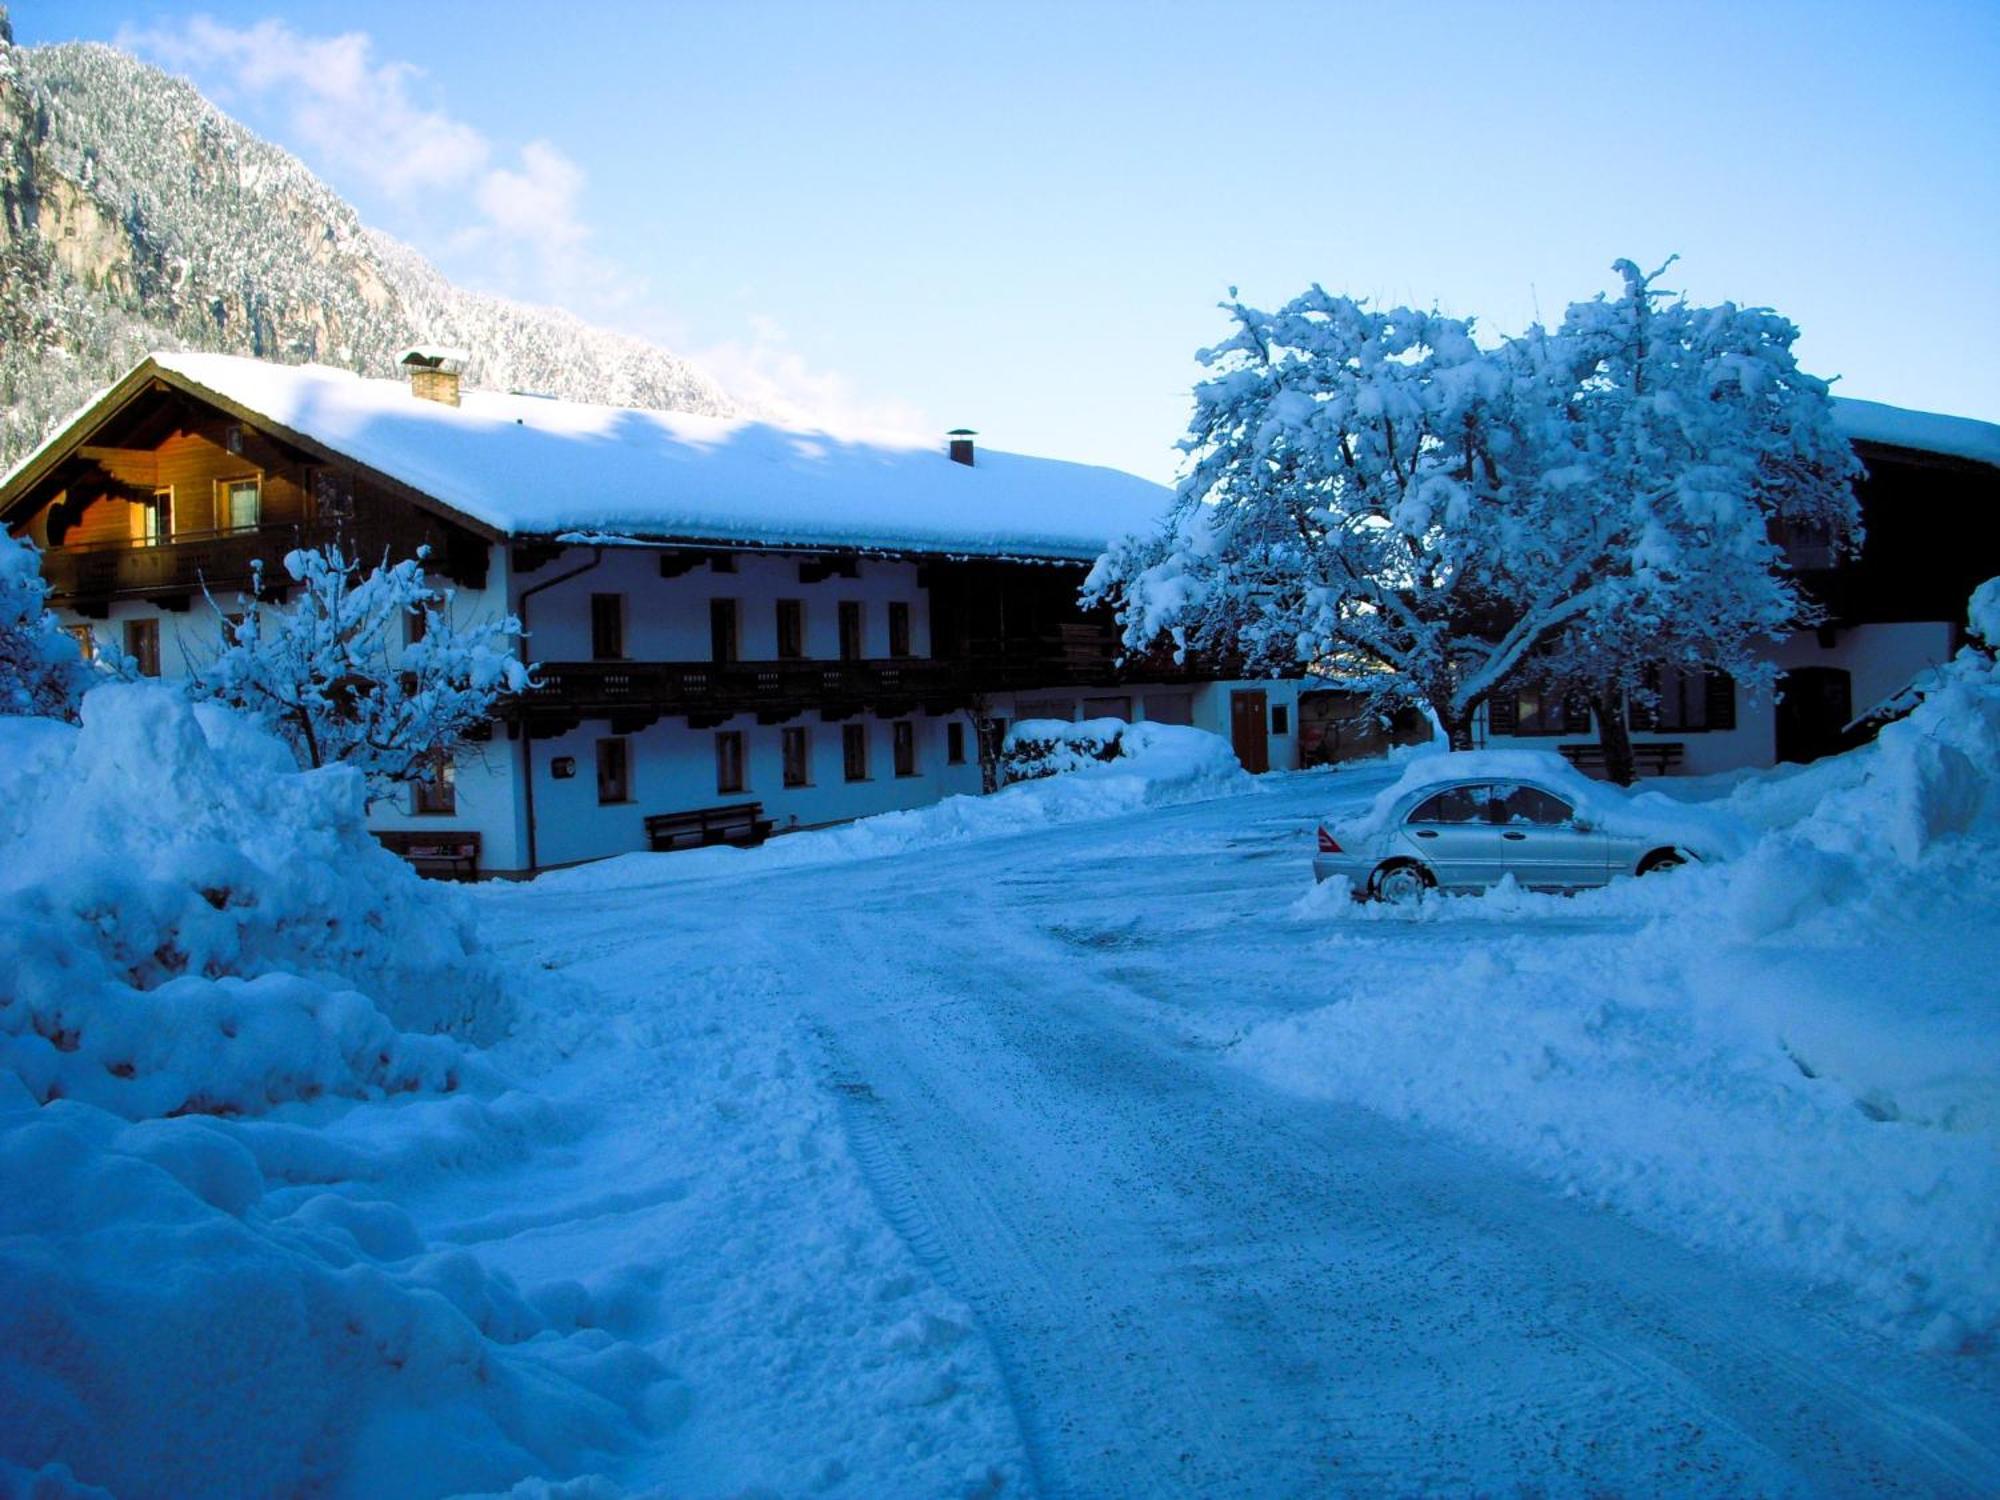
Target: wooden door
pixel 1814 706
pixel 1250 731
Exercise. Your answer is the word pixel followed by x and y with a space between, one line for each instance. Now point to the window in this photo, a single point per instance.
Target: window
pixel 1534 710
pixel 614 772
pixel 791 629
pixel 607 627
pixel 142 644
pixel 86 643
pixel 242 504
pixel 722 630
pixel 1687 700
pixel 1459 804
pixel 850 630
pixel 1808 545
pixel 798 757
pixel 903 746
pixel 722 562
pixel 954 743
pixel 899 629
pixel 150 521
pixel 854 751
pixel 438 792
pixel 729 760
pixel 1493 802
pixel 416 622
pixel 1527 804
pixel 1281 718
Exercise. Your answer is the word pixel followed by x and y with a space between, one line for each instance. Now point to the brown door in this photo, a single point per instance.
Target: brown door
pixel 1814 707
pixel 1250 731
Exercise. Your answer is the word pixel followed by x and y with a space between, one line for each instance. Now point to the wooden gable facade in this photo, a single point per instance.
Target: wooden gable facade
pixel 158 493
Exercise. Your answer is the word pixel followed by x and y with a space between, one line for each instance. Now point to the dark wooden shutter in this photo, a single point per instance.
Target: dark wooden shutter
pixel 1576 715
pixel 1503 712
pixel 1720 688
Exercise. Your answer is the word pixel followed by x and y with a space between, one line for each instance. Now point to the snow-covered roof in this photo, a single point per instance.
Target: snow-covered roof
pixel 530 466
pixel 1925 431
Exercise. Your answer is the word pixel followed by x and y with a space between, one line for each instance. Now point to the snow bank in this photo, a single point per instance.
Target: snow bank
pixel 1035 748
pixel 209 976
pixel 1794 1054
pixel 1157 765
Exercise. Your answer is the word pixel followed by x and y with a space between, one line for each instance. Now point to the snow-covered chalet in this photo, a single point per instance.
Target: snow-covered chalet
pixel 733 620
pixel 1930 511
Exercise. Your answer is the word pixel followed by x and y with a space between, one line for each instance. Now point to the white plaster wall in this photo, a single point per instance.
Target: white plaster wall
pixel 1209 707
pixel 668 619
pixel 1881 658
pixel 673 770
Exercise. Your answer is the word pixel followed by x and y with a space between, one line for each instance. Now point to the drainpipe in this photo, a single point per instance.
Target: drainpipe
pixel 521 647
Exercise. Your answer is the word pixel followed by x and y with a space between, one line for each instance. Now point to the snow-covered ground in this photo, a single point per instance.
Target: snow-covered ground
pixel 1065 1141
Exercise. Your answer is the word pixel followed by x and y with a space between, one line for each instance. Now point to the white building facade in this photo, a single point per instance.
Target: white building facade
pixel 724 613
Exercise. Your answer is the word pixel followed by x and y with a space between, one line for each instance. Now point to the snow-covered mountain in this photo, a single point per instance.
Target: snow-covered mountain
pixel 135 215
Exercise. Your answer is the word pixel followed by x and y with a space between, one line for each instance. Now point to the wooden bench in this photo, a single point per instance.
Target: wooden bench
pixel 445 851
pixel 741 823
pixel 1659 756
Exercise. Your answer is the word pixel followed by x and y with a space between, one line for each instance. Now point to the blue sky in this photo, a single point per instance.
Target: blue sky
pixel 1019 218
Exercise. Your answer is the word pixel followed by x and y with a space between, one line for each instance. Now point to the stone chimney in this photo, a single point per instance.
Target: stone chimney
pixel 434 372
pixel 959 445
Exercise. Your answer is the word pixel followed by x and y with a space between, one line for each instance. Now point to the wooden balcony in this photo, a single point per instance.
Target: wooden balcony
pixel 87 577
pixel 634 694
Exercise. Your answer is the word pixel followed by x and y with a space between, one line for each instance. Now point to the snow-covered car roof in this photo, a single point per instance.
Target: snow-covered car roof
pixel 1704 831
pixel 533 466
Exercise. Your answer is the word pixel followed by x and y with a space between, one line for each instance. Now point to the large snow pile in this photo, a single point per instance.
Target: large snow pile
pixel 1794 1054
pixel 1156 765
pixel 211 987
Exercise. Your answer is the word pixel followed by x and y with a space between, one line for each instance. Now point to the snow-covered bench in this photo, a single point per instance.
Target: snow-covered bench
pixel 739 823
pixel 444 851
pixel 1657 756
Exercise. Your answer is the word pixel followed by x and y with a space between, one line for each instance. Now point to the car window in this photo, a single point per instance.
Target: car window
pixel 1527 804
pixel 1458 804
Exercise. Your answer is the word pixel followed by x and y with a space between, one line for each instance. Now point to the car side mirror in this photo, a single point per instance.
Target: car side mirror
pixel 1582 824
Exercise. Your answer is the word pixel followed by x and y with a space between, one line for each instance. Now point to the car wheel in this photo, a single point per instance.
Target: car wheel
pixel 1662 859
pixel 1400 884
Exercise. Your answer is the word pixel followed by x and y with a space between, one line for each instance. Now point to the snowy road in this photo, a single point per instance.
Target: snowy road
pixel 1194 1284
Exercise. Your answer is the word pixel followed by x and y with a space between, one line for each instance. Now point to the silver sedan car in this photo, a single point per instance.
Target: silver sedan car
pixel 1468 834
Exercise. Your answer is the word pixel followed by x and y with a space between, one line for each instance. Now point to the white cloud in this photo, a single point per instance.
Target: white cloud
pixel 359 118
pixel 769 375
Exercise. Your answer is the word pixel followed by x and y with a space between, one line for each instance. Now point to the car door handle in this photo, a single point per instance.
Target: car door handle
pixel 1427 833
pixel 1516 837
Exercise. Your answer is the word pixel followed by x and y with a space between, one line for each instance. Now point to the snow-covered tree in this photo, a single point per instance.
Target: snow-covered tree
pixel 1375 493
pixel 369 671
pixel 41 670
pixel 1353 502
pixel 1699 445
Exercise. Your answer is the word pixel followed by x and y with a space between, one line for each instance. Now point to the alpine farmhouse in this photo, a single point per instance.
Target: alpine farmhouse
pixel 1930 515
pixel 740 628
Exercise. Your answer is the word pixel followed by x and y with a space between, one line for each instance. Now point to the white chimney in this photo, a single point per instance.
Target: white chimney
pixel 434 372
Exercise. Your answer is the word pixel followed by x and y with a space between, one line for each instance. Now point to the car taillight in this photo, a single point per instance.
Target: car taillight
pixel 1327 844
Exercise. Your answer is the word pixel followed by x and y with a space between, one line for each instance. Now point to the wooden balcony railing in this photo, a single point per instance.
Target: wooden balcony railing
pixel 638 692
pixel 219 560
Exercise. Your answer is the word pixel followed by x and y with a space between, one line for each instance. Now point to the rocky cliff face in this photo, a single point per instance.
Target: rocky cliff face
pixel 134 215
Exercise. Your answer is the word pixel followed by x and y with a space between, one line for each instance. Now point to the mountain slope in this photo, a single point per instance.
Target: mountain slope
pixel 136 215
